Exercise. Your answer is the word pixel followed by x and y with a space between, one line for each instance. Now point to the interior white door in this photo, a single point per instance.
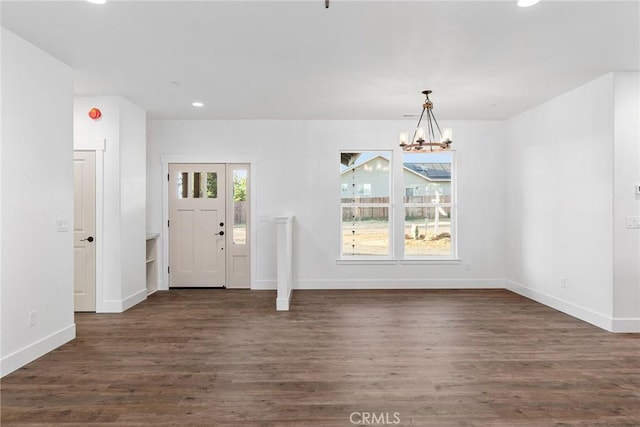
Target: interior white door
pixel 84 230
pixel 197 225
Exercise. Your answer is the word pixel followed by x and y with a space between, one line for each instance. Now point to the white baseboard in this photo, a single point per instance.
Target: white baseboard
pixel 282 303
pixel 385 284
pixel 400 284
pixel 134 299
pixel 18 359
pixel 582 313
pixel 626 325
pixel 264 285
pixel 118 306
pixel 111 306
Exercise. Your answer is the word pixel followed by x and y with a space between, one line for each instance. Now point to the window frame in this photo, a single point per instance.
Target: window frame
pixel 453 218
pixel 396 208
pixel 373 259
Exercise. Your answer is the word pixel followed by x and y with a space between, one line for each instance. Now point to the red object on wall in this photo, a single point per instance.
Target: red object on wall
pixel 95 114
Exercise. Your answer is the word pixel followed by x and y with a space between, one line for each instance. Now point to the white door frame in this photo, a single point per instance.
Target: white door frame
pixel 98 145
pixel 165 159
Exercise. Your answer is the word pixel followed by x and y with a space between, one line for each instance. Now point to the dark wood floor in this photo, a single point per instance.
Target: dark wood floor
pixel 422 358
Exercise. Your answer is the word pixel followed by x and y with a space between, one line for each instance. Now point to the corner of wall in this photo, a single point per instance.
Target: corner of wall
pixel 626 202
pixel 37 297
pixel 559 210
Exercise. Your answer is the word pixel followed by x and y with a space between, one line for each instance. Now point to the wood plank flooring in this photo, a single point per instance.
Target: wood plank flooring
pixel 338 358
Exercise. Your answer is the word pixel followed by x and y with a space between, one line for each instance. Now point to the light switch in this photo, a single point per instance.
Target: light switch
pixel 633 222
pixel 62 225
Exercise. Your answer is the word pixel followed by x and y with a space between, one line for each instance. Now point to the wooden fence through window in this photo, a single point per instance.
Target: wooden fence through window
pixel 368 213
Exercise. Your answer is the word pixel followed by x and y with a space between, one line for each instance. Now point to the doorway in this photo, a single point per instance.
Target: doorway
pixel 209 225
pixel 84 230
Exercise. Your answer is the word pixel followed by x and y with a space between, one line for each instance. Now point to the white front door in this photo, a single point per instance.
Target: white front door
pixel 84 230
pixel 197 225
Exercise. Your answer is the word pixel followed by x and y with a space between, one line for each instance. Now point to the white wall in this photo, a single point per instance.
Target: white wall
pixel 123 129
pixel 37 191
pixel 626 242
pixel 296 171
pixel 133 187
pixel 572 164
pixel 1 181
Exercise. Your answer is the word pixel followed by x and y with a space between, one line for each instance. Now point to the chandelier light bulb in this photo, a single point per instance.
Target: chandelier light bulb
pixel 404 138
pixel 447 134
pixel 527 3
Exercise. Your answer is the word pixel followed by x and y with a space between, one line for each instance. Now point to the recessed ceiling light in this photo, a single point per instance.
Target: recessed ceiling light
pixel 197 104
pixel 527 3
pixel 97 1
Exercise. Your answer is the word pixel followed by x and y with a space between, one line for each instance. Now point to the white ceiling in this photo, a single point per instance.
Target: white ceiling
pixel 355 60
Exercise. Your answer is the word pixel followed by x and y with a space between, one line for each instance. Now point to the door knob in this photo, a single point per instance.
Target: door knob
pixel 88 239
pixel 221 233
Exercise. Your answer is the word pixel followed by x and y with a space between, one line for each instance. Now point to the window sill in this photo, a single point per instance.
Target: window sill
pixel 431 261
pixel 416 261
pixel 366 261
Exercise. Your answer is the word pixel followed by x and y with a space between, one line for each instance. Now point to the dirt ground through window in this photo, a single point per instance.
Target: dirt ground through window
pixel 372 238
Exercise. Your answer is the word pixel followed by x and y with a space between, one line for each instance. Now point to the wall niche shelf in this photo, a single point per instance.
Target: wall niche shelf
pixel 152 263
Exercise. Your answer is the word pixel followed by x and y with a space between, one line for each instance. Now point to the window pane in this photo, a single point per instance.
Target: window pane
pixel 182 190
pixel 211 183
pixel 427 174
pixel 240 207
pixel 364 177
pixel 365 231
pixel 427 231
pixel 197 185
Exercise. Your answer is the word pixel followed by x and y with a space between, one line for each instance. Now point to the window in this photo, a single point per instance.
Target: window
pixel 428 219
pixel 365 205
pixel 411 191
pixel 239 206
pixel 425 211
pixel 197 185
